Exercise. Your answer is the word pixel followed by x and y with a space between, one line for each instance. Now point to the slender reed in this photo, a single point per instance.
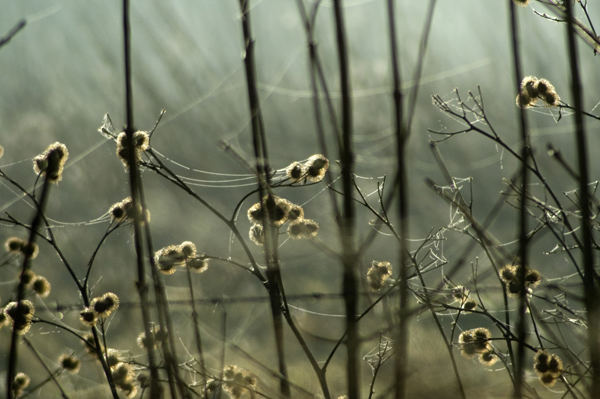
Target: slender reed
pixel 589 281
pixel 26 265
pixel 519 368
pixel 264 191
pixel 350 284
pixel 134 182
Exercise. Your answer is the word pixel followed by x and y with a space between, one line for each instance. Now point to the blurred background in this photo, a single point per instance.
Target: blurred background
pixel 64 71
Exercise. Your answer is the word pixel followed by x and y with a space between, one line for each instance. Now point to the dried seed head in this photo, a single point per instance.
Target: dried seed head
pixel 41 286
pixel 70 363
pixel 19 383
pixel 529 86
pixel 303 229
pixel 469 305
pixel 198 264
pixel 146 342
pixel 474 341
pixel 237 381
pixel 295 171
pixel 551 98
pixel 88 317
pixel 20 315
pixel 14 244
pixel 278 209
pixel 112 358
pixel 488 358
pixel 460 293
pixel 168 258
pixel 544 86
pixel 105 305
pixel 27 277
pixel 188 249
pixel 18 245
pixel 122 373
pixel 295 212
pixel 508 273
pixel 378 274
pixel 316 167
pixel 51 162
pixel 141 142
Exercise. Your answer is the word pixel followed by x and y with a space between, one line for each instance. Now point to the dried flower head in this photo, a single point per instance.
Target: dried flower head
pixel 529 86
pixel 51 162
pixel 257 234
pixel 378 274
pixel 145 342
pixel 88 317
pixel 105 305
pixel 549 367
pixel 156 335
pixel 122 373
pixel 316 167
pixel 522 3
pixel 469 305
pixel 474 341
pixel 532 89
pixel 296 212
pixel 141 142
pixel 19 246
pixel 278 209
pixel 41 286
pixel 168 258
pixel 69 363
pixel 14 244
pixel 237 381
pixel 511 275
pixel 20 315
pixel 19 383
pixel 460 293
pixel 303 229
pixel 197 264
pixel 113 358
pixel 488 358
pixel 27 277
pixel 295 171
pixel 188 249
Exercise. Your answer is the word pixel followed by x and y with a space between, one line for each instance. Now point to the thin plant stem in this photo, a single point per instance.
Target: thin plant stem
pixel 134 183
pixel 589 283
pixel 197 336
pixel 263 175
pixel 523 236
pixel 350 285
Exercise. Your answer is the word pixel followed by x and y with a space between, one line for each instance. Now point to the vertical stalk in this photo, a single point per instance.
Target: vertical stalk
pixel 134 181
pixel 523 240
pixel 263 175
pixel 26 265
pixel 197 336
pixel 589 281
pixel 401 139
pixel 350 285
